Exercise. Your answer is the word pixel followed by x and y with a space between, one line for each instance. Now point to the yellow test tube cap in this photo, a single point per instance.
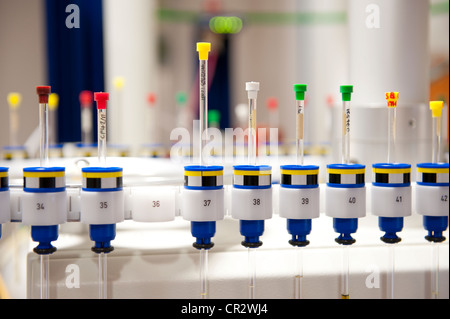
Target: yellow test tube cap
pixel 392 98
pixel 14 99
pixel 436 108
pixel 203 49
pixel 53 100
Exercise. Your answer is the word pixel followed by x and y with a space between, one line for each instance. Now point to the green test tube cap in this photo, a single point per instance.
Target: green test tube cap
pixel 346 91
pixel 299 90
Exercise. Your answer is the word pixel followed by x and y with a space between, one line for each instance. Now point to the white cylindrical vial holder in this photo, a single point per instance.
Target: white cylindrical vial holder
pixel 299 196
pixel 345 198
pixel 44 201
pixel 432 197
pixel 391 198
pixel 299 200
pixel 251 201
pixel 101 196
pixel 203 202
pixel 102 204
pixel 44 204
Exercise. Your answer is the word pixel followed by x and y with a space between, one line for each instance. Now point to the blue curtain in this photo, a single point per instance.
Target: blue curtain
pixel 75 60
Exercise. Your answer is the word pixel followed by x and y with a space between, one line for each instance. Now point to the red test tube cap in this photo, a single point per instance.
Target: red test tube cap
pixel 101 98
pixel 43 92
pixel 86 98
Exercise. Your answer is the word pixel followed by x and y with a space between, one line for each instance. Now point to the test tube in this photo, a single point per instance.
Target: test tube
pixel 300 101
pixel 203 49
pixel 43 92
pixel 392 97
pixel 436 108
pixel 346 91
pixel 14 99
pixel 252 89
pixel 101 98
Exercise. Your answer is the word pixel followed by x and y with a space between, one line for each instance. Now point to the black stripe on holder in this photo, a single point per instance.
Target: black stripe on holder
pixel 382 178
pixel 209 181
pixel 286 179
pixel 250 180
pixel 360 179
pixel 406 177
pixel 334 178
pixel 119 181
pixel 93 183
pixel 4 182
pixel 429 177
pixel 47 182
pixel 311 180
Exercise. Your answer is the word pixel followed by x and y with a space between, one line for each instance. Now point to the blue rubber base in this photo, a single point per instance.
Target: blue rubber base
pixel 44 235
pixel 435 225
pixel 102 235
pixel 390 225
pixel 251 230
pixel 203 232
pixel 345 227
pixel 299 229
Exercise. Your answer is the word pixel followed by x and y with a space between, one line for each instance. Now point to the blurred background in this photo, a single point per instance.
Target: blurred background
pixel 143 53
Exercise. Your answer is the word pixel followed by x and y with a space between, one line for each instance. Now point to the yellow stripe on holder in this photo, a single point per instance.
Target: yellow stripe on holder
pixel 253 173
pixel 101 175
pixel 345 171
pixel 3 174
pixel 203 173
pixel 44 174
pixel 433 170
pixel 391 171
pixel 299 172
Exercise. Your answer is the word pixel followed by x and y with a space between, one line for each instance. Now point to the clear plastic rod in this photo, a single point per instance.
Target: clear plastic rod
pixel 44 264
pixel 203 133
pixel 392 123
pixel 252 147
pixel 203 273
pixel 43 125
pixel 101 117
pixel 345 132
pixel 298 272
pixel 436 142
pixel 391 272
pixel 345 272
pixel 251 272
pixel 299 126
pixel 435 271
pixel 102 276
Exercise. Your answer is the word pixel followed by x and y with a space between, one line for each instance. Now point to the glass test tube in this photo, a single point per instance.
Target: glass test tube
pixel 392 123
pixel 345 132
pixel 102 276
pixel 203 273
pixel 345 272
pixel 203 131
pixel 43 126
pixel 251 272
pixel 101 118
pixel 300 141
pixel 299 273
pixel 436 138
pixel 252 147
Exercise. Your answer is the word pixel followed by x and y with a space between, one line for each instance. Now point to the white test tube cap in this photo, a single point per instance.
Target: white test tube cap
pixel 252 89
